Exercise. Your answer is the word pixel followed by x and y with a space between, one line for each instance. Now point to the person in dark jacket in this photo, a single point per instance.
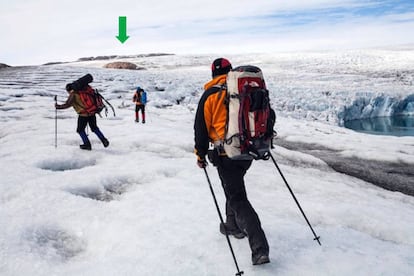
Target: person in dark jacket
pixel 84 117
pixel 209 127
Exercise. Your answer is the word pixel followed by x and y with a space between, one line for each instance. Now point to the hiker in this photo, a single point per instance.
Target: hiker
pixel 209 127
pixel 140 100
pixel 74 100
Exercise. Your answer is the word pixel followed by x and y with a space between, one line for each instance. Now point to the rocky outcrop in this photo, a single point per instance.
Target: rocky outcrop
pixel 2 65
pixel 97 58
pixel 55 63
pixel 122 65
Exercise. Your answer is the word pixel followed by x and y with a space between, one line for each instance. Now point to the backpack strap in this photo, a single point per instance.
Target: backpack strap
pixel 110 105
pixel 221 87
pixel 219 144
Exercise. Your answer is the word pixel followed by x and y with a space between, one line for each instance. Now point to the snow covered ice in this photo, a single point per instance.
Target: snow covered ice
pixel 143 207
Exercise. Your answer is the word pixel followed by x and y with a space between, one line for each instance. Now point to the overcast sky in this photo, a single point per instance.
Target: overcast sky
pixel 40 31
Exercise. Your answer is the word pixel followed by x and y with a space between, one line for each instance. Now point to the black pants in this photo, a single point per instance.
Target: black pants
pixel 83 121
pixel 140 107
pixel 238 206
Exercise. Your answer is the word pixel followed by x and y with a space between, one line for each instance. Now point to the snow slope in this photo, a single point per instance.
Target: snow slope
pixel 142 206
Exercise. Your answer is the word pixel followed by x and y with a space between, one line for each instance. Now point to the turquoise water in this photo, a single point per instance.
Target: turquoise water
pixel 396 126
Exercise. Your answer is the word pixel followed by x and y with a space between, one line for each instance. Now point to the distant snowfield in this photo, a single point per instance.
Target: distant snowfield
pixel 326 86
pixel 142 206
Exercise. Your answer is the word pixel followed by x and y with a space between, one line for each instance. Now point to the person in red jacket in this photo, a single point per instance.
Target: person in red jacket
pixel 209 127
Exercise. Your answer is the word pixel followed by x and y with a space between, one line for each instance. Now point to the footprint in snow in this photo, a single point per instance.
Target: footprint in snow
pixel 111 189
pixel 54 243
pixel 61 164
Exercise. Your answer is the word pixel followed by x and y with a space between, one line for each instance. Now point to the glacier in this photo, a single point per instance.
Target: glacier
pixel 142 206
pixel 332 87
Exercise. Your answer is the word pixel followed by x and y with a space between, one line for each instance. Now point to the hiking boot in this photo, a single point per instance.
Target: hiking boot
pixel 105 142
pixel 143 121
pixel 260 258
pixel 86 147
pixel 136 121
pixel 235 232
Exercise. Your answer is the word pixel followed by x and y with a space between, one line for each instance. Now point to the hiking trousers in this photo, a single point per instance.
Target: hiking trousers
pixel 238 207
pixel 139 107
pixel 85 120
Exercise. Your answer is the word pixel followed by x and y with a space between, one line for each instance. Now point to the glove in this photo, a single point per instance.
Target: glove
pixel 201 162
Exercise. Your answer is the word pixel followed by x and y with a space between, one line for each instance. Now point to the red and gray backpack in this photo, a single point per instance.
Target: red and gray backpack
pixel 250 119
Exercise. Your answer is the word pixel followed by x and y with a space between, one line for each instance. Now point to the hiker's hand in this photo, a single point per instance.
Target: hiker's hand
pixel 57 106
pixel 201 162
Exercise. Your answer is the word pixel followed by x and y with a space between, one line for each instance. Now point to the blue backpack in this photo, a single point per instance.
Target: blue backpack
pixel 143 97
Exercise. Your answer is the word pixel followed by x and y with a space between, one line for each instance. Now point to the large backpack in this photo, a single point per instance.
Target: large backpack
pixel 250 119
pixel 91 100
pixel 140 96
pixel 143 97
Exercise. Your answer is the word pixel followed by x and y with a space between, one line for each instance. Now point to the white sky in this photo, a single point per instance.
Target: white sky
pixel 35 32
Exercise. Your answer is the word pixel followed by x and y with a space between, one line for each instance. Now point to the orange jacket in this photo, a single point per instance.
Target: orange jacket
pixel 136 98
pixel 211 116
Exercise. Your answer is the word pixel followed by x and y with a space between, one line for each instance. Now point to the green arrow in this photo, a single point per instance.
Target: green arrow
pixel 122 29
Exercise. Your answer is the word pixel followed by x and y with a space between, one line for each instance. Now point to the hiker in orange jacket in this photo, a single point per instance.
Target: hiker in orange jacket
pixel 140 100
pixel 209 127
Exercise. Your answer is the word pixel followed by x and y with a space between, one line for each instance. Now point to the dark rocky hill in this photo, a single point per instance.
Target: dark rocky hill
pixel 2 65
pixel 123 56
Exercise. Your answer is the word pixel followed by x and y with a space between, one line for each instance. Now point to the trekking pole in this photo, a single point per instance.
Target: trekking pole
pixel 297 202
pixel 239 273
pixel 55 122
